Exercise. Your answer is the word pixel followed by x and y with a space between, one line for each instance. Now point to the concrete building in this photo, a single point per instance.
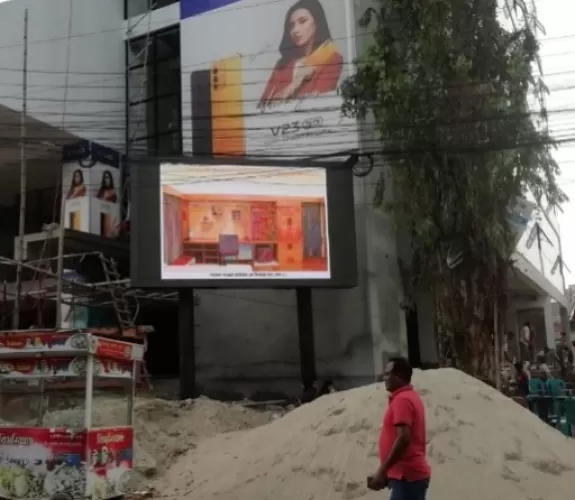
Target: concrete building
pixel 119 75
pixel 538 294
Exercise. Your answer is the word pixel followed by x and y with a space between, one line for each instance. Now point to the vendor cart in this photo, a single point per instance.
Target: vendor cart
pixel 41 462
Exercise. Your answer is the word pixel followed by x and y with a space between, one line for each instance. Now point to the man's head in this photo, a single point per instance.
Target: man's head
pixel 397 374
pixel 527 324
pixel 518 366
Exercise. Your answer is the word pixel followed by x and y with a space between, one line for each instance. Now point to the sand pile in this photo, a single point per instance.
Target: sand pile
pixel 481 445
pixel 164 429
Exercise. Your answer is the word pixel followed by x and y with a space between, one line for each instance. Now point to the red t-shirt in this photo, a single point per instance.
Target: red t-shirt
pixel 405 408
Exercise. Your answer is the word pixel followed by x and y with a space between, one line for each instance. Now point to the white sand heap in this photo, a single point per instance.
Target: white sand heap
pixel 164 429
pixel 482 446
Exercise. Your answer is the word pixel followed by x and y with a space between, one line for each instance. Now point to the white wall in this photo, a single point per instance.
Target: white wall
pixel 95 93
pixel 550 249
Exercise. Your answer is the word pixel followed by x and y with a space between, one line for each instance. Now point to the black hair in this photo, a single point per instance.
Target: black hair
pixel 402 368
pixel 518 366
pixel 104 188
pixel 73 183
pixel 322 35
pixel 80 174
pixel 109 175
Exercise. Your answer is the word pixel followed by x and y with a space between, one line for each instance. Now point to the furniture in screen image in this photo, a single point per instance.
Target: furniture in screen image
pixel 266 233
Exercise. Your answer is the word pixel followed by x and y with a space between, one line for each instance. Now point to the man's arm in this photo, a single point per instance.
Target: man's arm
pixel 402 420
pixel 402 440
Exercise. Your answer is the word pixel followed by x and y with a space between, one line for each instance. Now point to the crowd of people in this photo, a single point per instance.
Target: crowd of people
pixel 546 363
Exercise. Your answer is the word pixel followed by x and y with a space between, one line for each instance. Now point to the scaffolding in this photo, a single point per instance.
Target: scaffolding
pixel 114 292
pixel 47 282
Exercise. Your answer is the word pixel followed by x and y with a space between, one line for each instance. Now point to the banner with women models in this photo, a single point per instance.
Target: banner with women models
pixel 267 83
pixel 91 189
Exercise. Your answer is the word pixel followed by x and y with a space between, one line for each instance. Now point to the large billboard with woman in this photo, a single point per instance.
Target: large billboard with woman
pixel 261 77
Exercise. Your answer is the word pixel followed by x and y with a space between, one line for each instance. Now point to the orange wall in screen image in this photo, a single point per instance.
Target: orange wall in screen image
pixel 274 233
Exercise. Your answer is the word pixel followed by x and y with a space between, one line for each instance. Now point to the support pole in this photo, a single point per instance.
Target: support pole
pixel 306 336
pixel 497 344
pixel 23 178
pixel 187 344
pixel 61 228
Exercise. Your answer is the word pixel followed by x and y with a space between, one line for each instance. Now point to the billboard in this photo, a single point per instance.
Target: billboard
pixel 91 189
pixel 266 79
pixel 201 223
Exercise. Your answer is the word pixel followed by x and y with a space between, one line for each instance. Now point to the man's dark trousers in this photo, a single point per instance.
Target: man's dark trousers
pixel 406 490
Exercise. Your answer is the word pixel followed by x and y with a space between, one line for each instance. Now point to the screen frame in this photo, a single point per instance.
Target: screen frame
pixel 146 260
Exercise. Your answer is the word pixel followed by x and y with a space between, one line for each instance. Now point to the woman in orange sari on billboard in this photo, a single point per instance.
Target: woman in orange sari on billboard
pixel 310 62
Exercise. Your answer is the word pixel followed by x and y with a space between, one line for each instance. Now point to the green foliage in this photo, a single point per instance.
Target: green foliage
pixel 447 88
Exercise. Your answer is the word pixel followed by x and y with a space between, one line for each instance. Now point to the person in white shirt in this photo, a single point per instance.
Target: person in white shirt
pixel 543 366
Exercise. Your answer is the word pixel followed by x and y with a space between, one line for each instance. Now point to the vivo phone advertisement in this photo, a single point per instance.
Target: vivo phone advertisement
pixel 267 77
pixel 91 189
pixel 243 223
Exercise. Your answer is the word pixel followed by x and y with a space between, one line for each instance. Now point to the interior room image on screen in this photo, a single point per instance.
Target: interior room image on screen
pixel 244 222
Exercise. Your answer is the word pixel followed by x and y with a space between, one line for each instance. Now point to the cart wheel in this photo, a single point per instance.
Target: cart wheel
pixel 61 496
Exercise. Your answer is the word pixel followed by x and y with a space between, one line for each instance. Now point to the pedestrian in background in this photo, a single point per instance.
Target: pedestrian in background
pixel 525 343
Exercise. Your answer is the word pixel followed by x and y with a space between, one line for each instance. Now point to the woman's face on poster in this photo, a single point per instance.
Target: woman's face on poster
pixel 303 28
pixel 107 179
pixel 77 178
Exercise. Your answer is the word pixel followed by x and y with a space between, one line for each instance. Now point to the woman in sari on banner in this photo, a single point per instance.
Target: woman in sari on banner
pixel 310 62
pixel 107 191
pixel 77 186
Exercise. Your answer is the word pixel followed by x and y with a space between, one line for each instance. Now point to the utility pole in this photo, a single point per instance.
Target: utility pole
pixel 23 178
pixel 61 228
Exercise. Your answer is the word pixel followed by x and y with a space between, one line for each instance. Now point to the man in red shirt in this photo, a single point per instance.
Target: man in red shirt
pixel 402 442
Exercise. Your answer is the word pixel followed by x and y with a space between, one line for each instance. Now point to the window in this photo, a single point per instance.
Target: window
pixel 138 7
pixel 154 94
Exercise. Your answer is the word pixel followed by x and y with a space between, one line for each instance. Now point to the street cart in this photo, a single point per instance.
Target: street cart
pixel 47 463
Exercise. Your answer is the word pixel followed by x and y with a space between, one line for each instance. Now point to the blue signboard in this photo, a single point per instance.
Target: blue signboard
pixel 191 8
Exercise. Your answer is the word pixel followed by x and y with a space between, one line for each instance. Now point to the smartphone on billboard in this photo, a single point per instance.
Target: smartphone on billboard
pixel 228 134
pixel 74 221
pixel 201 98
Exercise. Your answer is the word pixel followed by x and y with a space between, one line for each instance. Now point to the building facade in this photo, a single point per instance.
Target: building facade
pixel 140 79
